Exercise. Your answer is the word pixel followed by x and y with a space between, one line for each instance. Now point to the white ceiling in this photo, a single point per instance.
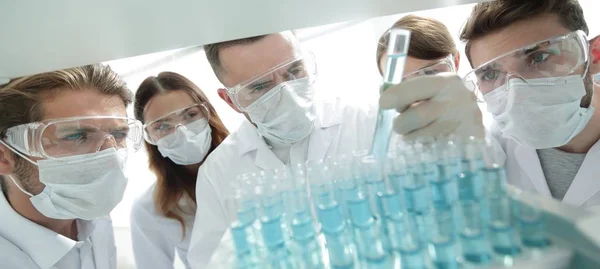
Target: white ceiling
pixel 40 36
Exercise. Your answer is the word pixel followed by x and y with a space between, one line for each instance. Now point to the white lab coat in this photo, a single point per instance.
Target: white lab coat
pixel 27 245
pixel 154 237
pixel 524 171
pixel 339 129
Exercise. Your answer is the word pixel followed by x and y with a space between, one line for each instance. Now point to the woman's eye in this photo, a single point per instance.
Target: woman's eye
pixel 190 115
pixel 490 75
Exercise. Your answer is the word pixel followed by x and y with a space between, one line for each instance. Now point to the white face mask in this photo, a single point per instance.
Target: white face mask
pixel 189 144
pixel 543 113
pixel 80 187
pixel 286 114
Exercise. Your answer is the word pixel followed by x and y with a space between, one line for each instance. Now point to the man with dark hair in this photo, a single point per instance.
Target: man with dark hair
pixel 533 67
pixel 268 79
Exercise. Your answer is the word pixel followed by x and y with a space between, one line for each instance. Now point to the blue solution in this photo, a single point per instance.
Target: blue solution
pixel 495 180
pixel 475 248
pixel 444 192
pixel 504 240
pixel 305 237
pixel 366 231
pixel 339 243
pixel 272 206
pixel 274 240
pixel 413 258
pixel 470 185
pixel 414 187
pixel 533 233
pixel 245 256
pixel 444 253
pixel 247 212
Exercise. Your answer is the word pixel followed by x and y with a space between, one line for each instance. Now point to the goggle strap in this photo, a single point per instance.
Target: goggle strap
pixel 16 151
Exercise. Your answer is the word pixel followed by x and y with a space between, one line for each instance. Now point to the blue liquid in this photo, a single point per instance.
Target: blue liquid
pixel 310 256
pixel 245 254
pixel 495 181
pixel 444 254
pixel 331 218
pixel 366 234
pixel 272 206
pixel 470 186
pixel 247 214
pixel 374 187
pixel 303 229
pixel 272 233
pixel 475 248
pixel 504 240
pixel 444 192
pixel 339 249
pixel 417 199
pixel 384 124
pixel 413 258
pixel 533 234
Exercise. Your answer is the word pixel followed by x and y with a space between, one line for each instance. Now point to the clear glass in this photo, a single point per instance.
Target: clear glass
pixel 246 93
pixel 443 245
pixel 475 244
pixel 167 124
pixel 397 50
pixel 504 237
pixel 67 137
pixel 555 58
pixel 442 66
pixel 532 225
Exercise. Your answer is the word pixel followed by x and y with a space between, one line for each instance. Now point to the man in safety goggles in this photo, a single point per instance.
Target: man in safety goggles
pixel 64 140
pixel 268 79
pixel 533 68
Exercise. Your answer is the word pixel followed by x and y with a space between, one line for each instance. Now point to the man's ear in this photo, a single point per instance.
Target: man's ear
pixel 223 94
pixel 595 55
pixel 456 60
pixel 7 161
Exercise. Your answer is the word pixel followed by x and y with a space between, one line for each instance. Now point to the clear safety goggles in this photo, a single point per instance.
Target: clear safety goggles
pixel 56 138
pixel 245 93
pixel 168 124
pixel 554 58
pixel 441 66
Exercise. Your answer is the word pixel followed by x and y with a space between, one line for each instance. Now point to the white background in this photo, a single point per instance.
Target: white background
pixel 345 54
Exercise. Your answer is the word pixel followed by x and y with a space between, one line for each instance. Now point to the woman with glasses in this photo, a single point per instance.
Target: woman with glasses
pixel 181 128
pixel 431 50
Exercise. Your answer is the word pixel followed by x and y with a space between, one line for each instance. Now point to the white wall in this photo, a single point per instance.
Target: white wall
pixel 346 65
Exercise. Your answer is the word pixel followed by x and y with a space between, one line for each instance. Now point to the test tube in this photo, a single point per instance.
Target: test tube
pixel 443 245
pixel 505 240
pixel 441 167
pixel 531 225
pixel 241 227
pixel 471 182
pixel 494 173
pixel 406 172
pixel 396 57
pixel 339 243
pixel 406 239
pixel 372 172
pixel 473 239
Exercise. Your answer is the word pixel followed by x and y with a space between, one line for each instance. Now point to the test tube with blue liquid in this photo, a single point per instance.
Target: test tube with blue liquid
pixel 303 230
pixel 399 40
pixel 339 243
pixel 406 237
pixel 471 181
pixel 444 249
pixel 503 235
pixel 444 184
pixel 407 179
pixel 493 172
pixel 242 231
pixel 472 233
pixel 532 225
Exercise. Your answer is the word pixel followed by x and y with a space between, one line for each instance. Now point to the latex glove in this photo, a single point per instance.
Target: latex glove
pixel 433 106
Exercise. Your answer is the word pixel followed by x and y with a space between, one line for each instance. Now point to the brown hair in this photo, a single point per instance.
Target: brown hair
pixel 21 100
pixel 429 39
pixel 212 51
pixel 492 16
pixel 172 180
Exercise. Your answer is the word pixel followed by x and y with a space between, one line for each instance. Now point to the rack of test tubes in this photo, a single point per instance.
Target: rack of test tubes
pixel 429 204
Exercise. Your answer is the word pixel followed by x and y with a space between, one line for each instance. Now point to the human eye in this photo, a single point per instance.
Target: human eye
pixel 76 136
pixel 537 58
pixel 190 115
pixel 258 87
pixel 489 74
pixel 120 133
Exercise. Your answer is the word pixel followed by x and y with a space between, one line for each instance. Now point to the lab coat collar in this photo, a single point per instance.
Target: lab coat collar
pixel 529 161
pixel 44 246
pixel 326 116
pixel 586 183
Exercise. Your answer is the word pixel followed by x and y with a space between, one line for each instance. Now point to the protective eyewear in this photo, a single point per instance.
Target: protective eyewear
pixel 56 138
pixel 168 124
pixel 553 58
pixel 245 93
pixel 441 66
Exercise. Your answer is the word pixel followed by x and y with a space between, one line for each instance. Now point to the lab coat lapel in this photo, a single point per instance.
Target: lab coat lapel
pixel 100 243
pixel 529 161
pixel 265 159
pixel 326 129
pixel 586 183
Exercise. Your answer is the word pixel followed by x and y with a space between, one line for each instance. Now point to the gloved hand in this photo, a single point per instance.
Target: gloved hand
pixel 433 106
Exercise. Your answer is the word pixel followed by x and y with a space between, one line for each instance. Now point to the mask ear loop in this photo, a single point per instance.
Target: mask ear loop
pixel 17 152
